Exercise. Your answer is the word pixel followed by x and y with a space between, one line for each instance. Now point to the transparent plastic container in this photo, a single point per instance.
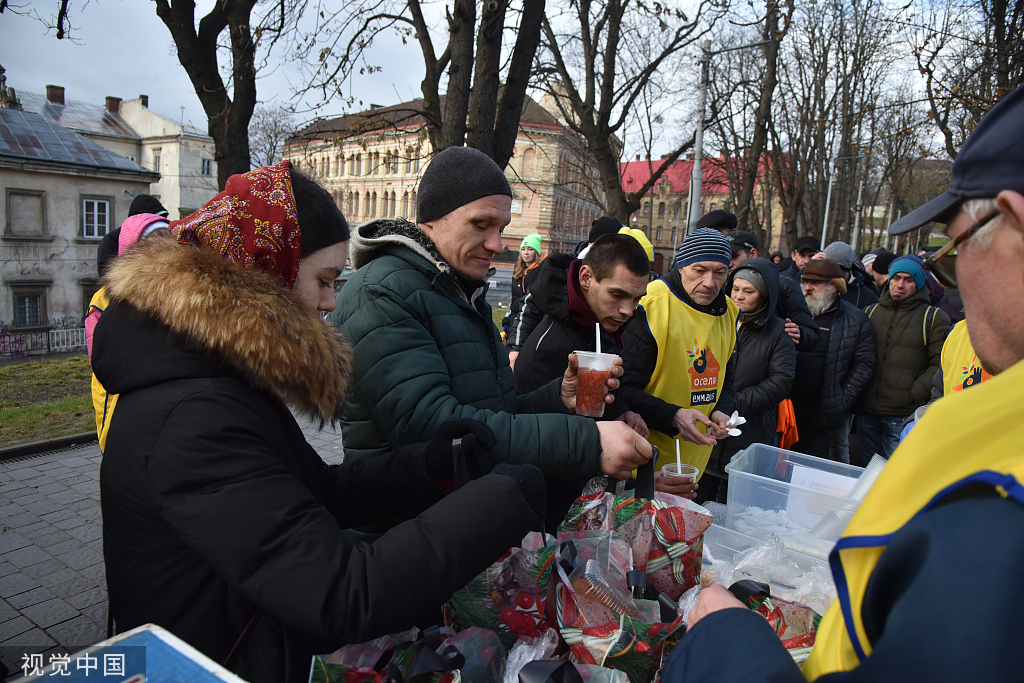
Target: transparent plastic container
pixel 798 497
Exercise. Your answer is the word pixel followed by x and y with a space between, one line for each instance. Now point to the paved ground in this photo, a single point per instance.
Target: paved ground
pixel 52 588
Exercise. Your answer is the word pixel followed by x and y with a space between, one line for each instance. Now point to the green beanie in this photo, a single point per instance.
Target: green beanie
pixel 533 241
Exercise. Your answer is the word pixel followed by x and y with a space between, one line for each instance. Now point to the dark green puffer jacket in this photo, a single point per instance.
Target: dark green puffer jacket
pixel 425 352
pixel 905 366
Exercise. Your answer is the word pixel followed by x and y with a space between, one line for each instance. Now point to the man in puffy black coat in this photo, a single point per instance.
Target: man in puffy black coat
pixel 830 379
pixel 765 359
pixel 789 303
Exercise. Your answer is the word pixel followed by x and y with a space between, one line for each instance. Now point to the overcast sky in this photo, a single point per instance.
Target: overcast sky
pixel 124 50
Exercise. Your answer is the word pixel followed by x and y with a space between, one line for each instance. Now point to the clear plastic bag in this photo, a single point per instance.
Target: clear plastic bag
pixel 528 650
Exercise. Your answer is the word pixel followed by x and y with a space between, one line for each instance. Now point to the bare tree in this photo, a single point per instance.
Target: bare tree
pixel 228 106
pixel 269 128
pixel 971 55
pixel 484 95
pixel 602 62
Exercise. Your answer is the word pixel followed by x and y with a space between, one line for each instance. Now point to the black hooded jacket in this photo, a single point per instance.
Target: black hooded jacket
pixel 765 360
pixel 542 357
pixel 218 514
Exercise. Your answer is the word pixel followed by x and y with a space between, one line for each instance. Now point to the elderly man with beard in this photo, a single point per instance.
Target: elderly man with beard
pixel 830 378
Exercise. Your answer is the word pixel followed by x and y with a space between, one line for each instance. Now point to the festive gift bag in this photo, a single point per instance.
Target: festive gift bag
pixel 598 617
pixel 677 550
pixel 413 656
pixel 513 598
pixel 796 624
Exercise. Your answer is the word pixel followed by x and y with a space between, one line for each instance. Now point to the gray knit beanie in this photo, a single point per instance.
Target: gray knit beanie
pixel 455 177
pixel 755 278
pixel 704 244
pixel 841 253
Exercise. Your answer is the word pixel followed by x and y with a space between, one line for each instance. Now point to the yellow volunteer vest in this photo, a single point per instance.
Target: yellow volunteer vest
pixel 960 365
pixel 693 351
pixel 102 402
pixel 965 438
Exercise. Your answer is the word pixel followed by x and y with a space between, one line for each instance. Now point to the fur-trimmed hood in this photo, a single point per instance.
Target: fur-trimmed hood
pixel 243 317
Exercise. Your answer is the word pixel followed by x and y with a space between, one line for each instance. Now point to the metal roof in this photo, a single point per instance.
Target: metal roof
pixel 79 116
pixel 28 136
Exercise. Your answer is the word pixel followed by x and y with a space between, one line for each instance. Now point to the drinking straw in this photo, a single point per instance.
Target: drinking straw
pixel 597 335
pixel 679 460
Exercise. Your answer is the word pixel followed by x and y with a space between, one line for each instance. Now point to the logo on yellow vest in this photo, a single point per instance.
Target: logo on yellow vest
pixel 704 370
pixel 972 374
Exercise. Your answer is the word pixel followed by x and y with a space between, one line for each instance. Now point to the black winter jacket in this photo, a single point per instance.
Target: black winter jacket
pixel 849 365
pixel 640 357
pixel 858 292
pixel 765 360
pixel 543 356
pixel 522 316
pixel 217 513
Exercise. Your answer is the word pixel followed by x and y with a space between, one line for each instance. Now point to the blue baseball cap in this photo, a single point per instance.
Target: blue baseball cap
pixel 992 160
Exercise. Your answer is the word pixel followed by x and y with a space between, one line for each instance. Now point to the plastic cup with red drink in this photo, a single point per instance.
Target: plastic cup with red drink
pixel 592 382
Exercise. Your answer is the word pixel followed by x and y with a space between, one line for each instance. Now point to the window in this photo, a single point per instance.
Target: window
pixel 387 163
pixel 713 207
pixel 647 231
pixel 529 163
pixel 341 165
pixel 355 205
pixel 370 209
pixel 394 200
pixel 661 209
pixel 207 166
pixel 29 298
pixel 384 205
pixel 375 164
pixel 675 235
pixel 647 208
pixel 408 165
pixel 156 160
pixel 394 162
pixel 95 217
pixel 405 204
pixel 659 234
pixel 416 163
pixel 26 213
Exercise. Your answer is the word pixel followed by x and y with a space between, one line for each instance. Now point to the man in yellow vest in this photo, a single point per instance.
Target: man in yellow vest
pixel 927 572
pixel 677 355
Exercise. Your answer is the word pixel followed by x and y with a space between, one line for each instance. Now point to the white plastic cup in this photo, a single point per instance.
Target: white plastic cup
pixel 688 473
pixel 592 382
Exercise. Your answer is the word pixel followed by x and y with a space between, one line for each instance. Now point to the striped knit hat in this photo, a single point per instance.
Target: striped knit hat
pixel 704 244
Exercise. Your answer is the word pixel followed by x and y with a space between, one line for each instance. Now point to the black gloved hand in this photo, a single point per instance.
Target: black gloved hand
pixel 477 438
pixel 531 484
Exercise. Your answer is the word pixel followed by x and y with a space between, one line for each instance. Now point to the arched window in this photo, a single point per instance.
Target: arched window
pixel 359 164
pixel 393 208
pixel 355 204
pixel 675 235
pixel 529 163
pixel 647 231
pixel 366 204
pixel 405 204
pixel 394 163
pixel 661 209
pixel 376 163
pixel 384 205
pixel 387 163
pixel 713 207
pixel 340 166
pixel 659 234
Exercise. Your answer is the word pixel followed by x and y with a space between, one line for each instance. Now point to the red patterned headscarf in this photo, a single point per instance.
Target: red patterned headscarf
pixel 253 222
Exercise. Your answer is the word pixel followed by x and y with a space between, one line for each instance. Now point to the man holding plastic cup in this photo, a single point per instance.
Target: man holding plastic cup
pixel 948 508
pixel 677 356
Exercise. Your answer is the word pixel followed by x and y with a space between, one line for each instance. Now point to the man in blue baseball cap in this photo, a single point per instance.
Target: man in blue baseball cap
pixel 958 478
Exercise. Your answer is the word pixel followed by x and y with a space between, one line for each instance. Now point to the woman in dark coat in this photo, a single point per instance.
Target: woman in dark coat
pixel 765 363
pixel 220 522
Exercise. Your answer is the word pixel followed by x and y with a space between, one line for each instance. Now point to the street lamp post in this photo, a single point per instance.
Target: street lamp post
pixel 828 197
pixel 697 176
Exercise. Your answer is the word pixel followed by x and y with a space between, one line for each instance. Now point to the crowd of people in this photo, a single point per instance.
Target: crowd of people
pixel 223 525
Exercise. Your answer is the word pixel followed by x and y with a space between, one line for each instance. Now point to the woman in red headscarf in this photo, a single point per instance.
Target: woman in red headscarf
pixel 220 522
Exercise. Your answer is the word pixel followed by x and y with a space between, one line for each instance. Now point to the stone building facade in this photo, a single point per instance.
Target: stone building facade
pixel 663 211
pixel 372 163
pixel 181 154
pixel 61 194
